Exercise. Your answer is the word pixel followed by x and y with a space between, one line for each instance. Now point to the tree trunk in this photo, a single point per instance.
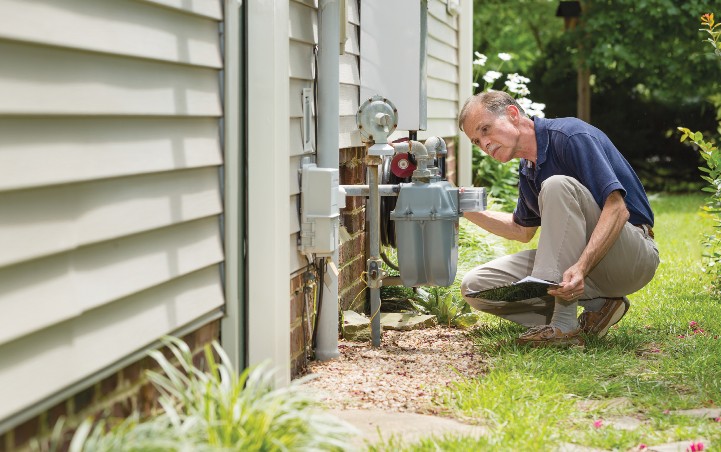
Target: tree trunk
pixel 583 91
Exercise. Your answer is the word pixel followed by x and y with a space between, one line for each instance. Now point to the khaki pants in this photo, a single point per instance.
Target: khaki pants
pixel 568 217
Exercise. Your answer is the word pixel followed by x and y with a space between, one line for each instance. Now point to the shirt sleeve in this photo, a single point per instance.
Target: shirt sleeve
pixel 586 157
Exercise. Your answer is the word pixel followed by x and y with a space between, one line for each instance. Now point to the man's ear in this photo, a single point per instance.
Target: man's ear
pixel 513 113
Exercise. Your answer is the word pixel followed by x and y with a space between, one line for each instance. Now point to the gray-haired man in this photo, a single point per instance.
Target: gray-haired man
pixel 596 238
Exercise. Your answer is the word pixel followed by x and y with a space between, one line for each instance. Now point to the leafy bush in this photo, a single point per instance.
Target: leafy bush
pixel 712 157
pixel 216 410
pixel 450 309
pixel 500 179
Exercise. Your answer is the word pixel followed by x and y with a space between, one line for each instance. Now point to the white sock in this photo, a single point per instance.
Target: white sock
pixel 565 315
pixel 592 305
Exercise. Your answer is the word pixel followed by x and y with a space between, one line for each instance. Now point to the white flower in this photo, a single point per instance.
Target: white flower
pixel 492 76
pixel 531 108
pixel 504 56
pixel 524 102
pixel 480 59
pixel 516 78
pixel 475 85
pixel 517 88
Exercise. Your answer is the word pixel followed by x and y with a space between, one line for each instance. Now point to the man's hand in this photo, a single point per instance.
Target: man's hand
pixel 572 285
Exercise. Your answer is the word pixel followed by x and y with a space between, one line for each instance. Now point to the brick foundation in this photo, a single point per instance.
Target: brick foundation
pixel 451 160
pixel 302 318
pixel 115 397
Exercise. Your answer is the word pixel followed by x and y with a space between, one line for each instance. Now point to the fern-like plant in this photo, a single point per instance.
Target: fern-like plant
pixel 449 309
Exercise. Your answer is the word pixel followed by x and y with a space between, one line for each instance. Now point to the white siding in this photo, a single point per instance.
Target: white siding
pixel 109 188
pixel 442 71
pixel 303 31
pixel 303 36
pixel 350 78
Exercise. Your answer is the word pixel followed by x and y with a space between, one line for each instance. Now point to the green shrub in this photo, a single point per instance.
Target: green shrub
pixel 500 179
pixel 712 157
pixel 216 410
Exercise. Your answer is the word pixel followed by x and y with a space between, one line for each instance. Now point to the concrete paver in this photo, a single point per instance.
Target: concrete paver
pixel 375 425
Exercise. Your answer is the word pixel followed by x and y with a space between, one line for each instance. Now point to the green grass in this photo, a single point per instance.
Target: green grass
pixel 536 399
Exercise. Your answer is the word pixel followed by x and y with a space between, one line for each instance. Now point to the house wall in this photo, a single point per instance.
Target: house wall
pixel 110 155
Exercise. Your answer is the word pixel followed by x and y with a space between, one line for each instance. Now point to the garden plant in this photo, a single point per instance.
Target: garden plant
pixel 214 410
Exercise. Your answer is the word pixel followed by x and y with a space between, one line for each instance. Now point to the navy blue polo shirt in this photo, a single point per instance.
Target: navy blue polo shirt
pixel 571 147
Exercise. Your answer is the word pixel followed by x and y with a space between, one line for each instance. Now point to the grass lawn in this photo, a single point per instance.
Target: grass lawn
pixel 615 393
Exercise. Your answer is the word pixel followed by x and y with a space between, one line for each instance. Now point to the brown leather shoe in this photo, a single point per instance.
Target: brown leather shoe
pixel 598 323
pixel 547 335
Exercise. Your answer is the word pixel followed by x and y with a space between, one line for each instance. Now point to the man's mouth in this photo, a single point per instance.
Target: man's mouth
pixel 492 149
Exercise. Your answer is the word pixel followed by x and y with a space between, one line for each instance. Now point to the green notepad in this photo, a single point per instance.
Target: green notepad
pixel 528 287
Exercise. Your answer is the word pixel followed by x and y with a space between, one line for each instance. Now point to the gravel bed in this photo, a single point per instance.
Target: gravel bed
pixel 405 374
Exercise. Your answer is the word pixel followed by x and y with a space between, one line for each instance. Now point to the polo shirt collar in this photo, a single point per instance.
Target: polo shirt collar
pixel 540 126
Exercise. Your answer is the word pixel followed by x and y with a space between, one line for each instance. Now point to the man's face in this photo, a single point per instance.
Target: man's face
pixel 497 136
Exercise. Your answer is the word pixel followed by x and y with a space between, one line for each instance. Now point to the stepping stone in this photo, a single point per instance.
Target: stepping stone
pixel 678 446
pixel 356 327
pixel 377 425
pixel 624 423
pixel 406 321
pixel 707 413
pixel 569 447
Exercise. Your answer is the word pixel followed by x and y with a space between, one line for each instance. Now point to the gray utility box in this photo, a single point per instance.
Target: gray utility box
pixel 426 229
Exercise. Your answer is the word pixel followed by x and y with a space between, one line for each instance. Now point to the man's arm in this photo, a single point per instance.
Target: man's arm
pixel 502 224
pixel 614 216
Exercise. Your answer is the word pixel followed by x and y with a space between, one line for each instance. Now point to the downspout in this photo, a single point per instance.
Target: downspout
pixel 327 157
pixel 464 157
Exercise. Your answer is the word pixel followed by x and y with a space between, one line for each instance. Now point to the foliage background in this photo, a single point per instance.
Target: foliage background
pixel 649 73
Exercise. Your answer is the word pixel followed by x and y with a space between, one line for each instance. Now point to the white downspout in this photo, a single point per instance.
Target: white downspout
pixel 327 157
pixel 464 155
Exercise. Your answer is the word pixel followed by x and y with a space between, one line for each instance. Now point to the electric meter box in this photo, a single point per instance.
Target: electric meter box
pixel 426 231
pixel 320 214
pixel 393 38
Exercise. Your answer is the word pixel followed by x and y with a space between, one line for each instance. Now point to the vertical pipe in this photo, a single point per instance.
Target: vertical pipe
pixel 373 210
pixel 327 157
pixel 464 153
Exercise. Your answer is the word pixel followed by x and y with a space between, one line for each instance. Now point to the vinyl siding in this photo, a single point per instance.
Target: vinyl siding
pixel 303 31
pixel 442 71
pixel 110 191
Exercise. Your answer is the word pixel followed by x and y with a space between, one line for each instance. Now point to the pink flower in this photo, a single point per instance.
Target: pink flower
pixel 598 423
pixel 666 411
pixel 695 447
pixel 642 446
pixel 681 336
pixel 718 419
pixel 692 324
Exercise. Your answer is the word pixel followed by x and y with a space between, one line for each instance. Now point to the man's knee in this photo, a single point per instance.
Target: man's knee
pixel 477 280
pixel 556 183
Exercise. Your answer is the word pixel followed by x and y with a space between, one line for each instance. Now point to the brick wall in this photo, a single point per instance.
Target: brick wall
pixel 301 321
pixel 351 288
pixel 352 261
pixel 114 397
pixel 451 160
